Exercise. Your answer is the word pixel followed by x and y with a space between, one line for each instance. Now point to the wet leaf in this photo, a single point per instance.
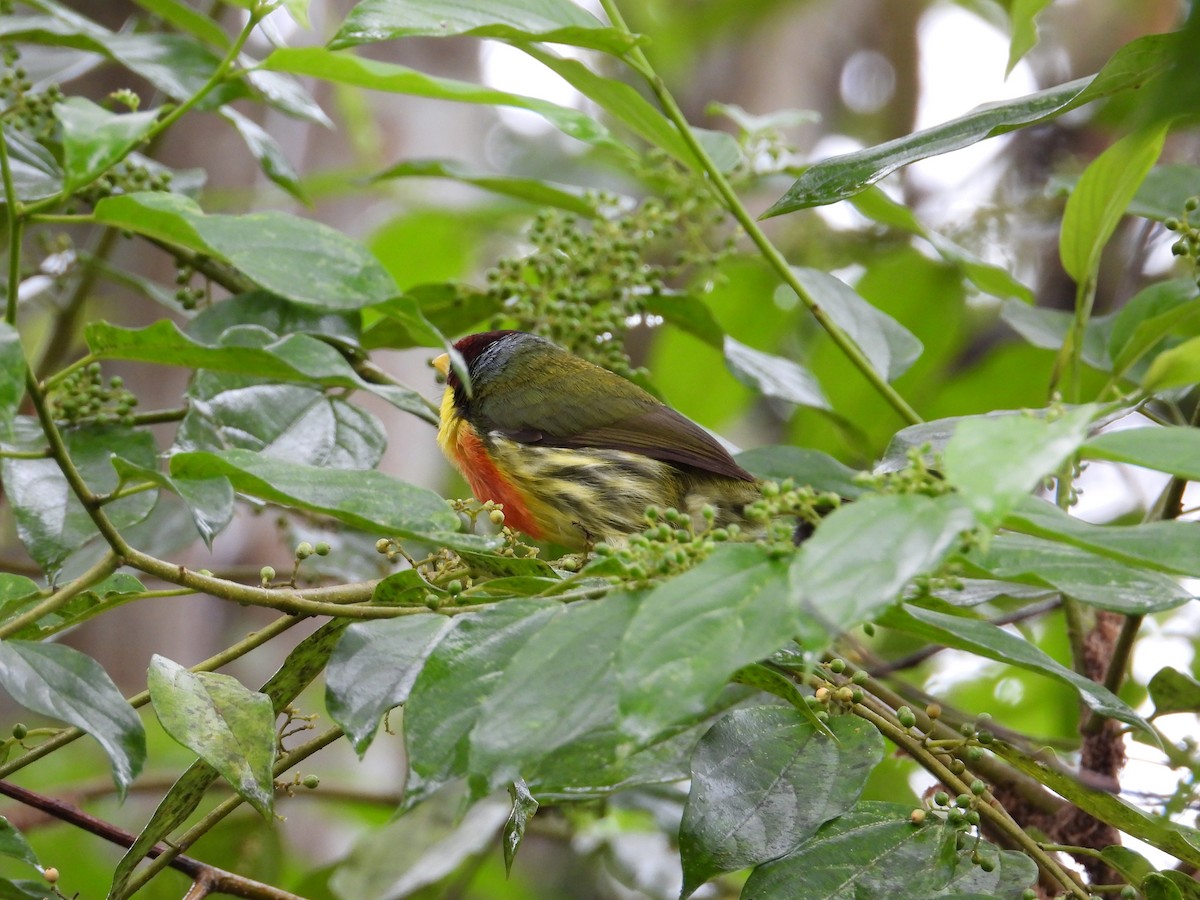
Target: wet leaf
pixel 763 781
pixel 227 725
pixel 60 682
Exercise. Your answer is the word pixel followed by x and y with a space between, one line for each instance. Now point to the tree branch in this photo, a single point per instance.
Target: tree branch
pixel 216 880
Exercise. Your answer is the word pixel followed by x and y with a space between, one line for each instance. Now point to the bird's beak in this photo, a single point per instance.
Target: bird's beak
pixel 442 364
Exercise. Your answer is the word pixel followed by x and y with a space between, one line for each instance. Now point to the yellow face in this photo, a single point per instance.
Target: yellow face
pixel 449 421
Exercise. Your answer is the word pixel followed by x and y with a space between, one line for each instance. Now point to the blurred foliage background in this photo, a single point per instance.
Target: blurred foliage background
pixel 810 79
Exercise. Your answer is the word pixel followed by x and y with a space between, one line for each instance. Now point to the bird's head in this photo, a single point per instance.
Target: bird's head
pixel 487 356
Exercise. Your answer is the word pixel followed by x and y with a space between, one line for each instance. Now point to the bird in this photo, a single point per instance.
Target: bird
pixel 575 453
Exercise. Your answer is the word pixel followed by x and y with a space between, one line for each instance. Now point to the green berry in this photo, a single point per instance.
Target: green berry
pixel 304 550
pixel 978 787
pixel 906 717
pixel 941 798
pixel 859 677
pixel 962 801
pixel 310 781
pixel 322 549
pixel 837 666
pixel 19 731
pixel 267 574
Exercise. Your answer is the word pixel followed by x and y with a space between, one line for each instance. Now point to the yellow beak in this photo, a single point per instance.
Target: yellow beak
pixel 442 364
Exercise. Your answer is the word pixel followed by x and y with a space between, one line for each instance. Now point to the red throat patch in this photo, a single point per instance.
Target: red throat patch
pixel 489 483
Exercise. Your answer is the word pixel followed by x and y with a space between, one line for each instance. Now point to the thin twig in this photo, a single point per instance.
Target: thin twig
pixel 219 881
pixel 770 252
pixel 223 809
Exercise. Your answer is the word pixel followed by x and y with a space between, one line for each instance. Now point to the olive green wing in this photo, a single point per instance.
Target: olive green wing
pixel 578 405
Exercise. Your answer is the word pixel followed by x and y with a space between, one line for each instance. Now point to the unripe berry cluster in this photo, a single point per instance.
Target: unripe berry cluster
pixel 82 396
pixel 667 546
pixel 24 109
pixel 127 177
pixel 1188 243
pixel 587 281
pixel 917 476
pixel 784 502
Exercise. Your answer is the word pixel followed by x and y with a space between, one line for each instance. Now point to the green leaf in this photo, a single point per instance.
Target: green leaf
pixel 864 553
pixel 1177 367
pixel 60 682
pixel 276 315
pixel 1101 196
pixel 1022 15
pixel 1185 884
pixel 184 18
pixel 83 606
pixel 773 376
pixel 532 190
pixel 1149 316
pixel 404 588
pixel 95 139
pixel 690 634
pixel 811 467
pixel 267 152
pixel 689 314
pixel 562 686
pixel 1095 580
pixel 985 639
pixel 14 845
pixel 1011 874
pixel 302 665
pixel 373 669
pixel 1129 864
pixel 418 854
pixel 840 177
pixel 317 62
pixel 448 308
pixel 227 725
pixel 1179 841
pixel 629 107
pixel 51 522
pixel 35 172
pixel 446 699
pixel 406 312
pixel 1049 328
pixel 991 279
pixel 1165 546
pixel 872 851
pixel 209 500
pixel 523 808
pixel 366 499
pixel 551 21
pixel 302 260
pixel 763 781
pixel 288 422
pixel 1172 449
pixel 1165 190
pixel 1156 886
pixel 14 588
pixel 27 889
pixel 889 346
pixel 1174 691
pixel 997 461
pixel 12 376
pixel 246 350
